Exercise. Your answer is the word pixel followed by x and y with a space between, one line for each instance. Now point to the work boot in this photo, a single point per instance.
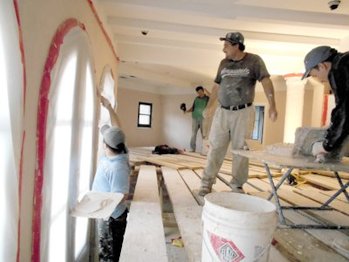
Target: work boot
pixel 204 190
pixel 237 189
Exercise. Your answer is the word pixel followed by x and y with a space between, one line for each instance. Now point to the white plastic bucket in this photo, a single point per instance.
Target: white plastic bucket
pixel 237 227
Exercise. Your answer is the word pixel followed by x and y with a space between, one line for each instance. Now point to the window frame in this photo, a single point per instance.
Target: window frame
pixel 150 114
pixel 258 124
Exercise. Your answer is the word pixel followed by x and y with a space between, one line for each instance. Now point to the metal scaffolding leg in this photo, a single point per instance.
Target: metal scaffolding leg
pixel 343 187
pixel 274 193
pixel 282 220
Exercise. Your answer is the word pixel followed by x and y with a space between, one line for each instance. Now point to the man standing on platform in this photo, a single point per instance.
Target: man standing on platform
pixel 235 89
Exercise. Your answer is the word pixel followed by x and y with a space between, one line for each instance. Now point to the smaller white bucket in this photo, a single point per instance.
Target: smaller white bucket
pixel 237 227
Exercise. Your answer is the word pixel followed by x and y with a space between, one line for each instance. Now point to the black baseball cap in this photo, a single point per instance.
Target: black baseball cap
pixel 233 37
pixel 316 56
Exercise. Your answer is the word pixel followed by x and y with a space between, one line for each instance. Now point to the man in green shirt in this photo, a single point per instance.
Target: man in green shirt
pixel 197 108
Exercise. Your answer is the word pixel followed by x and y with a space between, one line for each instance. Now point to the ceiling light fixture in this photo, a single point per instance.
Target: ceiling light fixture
pixel 333 4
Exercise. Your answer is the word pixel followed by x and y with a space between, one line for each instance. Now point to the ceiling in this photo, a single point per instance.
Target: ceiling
pixel 171 46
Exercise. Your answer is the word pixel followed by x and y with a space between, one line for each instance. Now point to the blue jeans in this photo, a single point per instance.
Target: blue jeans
pixel 196 125
pixel 111 235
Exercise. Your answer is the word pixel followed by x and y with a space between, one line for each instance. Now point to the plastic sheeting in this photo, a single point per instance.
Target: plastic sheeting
pixel 107 86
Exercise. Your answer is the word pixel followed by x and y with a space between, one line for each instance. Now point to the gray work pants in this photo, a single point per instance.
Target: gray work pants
pixel 228 126
pixel 196 125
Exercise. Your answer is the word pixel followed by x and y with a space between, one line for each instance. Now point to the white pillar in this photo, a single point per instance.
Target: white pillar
pixel 294 107
pixel 344 44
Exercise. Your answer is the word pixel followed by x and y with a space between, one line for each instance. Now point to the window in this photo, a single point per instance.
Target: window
pixel 68 161
pixel 61 155
pixel 85 167
pixel 11 114
pixel 8 170
pixel 258 124
pixel 144 114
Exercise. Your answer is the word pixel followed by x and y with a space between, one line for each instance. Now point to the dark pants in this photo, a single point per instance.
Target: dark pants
pixel 111 236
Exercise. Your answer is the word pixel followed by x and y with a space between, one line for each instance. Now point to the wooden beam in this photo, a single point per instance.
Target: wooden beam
pixel 187 213
pixel 144 238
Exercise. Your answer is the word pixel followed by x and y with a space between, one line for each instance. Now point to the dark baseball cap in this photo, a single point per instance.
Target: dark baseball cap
pixel 233 37
pixel 315 56
pixel 112 136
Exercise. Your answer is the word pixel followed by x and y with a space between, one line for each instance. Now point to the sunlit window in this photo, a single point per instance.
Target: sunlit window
pixel 81 225
pixel 144 114
pixel 6 153
pixel 258 124
pixel 69 152
pixel 62 132
pixel 11 108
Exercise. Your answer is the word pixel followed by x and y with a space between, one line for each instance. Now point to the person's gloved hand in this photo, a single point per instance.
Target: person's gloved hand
pixel 319 152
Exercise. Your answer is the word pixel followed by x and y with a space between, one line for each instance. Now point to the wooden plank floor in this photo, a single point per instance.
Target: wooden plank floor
pixel 144 238
pixel 313 189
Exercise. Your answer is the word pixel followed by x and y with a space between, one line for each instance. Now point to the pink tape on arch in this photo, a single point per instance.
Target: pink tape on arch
pixel 99 21
pixel 56 43
pixel 293 75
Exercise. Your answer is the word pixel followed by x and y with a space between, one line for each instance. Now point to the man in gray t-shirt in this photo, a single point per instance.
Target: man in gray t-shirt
pixel 235 90
pixel 237 79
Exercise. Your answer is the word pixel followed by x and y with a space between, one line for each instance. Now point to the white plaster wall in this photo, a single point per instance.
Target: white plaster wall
pixel 176 124
pixel 128 100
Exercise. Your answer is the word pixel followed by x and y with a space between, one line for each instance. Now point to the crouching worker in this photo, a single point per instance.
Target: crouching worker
pixel 112 175
pixel 326 64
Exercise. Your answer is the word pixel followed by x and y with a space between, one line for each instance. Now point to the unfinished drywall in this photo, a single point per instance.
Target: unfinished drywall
pixel 127 109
